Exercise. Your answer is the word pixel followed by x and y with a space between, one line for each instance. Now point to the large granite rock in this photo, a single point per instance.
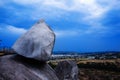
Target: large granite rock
pixel 36 43
pixel 67 70
pixel 14 67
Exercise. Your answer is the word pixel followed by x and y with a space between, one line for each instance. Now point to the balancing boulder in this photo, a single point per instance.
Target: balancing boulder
pixel 37 43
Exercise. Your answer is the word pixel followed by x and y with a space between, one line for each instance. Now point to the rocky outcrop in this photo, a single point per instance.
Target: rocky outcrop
pixel 15 67
pixel 67 70
pixel 37 43
pixel 33 49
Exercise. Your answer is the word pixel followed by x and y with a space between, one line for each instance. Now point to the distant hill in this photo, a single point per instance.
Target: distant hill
pixel 84 53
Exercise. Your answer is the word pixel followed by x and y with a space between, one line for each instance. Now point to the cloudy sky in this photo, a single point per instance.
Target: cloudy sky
pixel 79 25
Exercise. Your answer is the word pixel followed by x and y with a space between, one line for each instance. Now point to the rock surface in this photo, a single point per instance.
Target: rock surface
pixel 14 67
pixel 67 70
pixel 36 43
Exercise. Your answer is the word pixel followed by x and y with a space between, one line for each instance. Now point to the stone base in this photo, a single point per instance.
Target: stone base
pixel 15 67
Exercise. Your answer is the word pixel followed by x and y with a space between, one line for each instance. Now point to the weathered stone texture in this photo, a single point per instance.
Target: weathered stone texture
pixel 36 43
pixel 14 67
pixel 67 70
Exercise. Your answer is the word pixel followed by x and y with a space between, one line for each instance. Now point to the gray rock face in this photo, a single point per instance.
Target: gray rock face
pixel 67 70
pixel 36 43
pixel 14 67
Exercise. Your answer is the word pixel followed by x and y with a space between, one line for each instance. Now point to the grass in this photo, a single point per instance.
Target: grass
pixel 1 53
pixel 95 69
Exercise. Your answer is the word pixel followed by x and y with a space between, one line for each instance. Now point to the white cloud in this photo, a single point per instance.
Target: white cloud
pixel 89 7
pixel 95 31
pixel 58 8
pixel 55 9
pixel 16 30
pixel 66 33
pixel 12 29
pixel 2 3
